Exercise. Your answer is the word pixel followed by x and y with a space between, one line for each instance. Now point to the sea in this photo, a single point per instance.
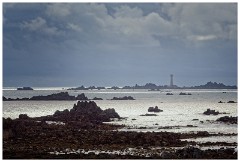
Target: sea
pixel 181 113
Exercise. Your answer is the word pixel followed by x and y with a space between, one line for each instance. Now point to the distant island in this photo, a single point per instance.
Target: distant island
pixel 213 85
pixel 154 87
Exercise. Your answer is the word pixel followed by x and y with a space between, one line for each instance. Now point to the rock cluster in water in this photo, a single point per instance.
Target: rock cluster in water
pixel 83 113
pixel 86 112
pixel 154 109
pixel 228 119
pixel 227 102
pixel 213 112
pixel 63 96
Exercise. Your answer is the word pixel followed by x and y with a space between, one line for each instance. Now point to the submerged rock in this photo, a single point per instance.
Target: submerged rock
pixel 149 115
pixel 96 98
pixel 185 93
pixel 123 98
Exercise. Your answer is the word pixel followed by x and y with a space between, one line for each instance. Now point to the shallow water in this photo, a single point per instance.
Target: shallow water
pixel 178 110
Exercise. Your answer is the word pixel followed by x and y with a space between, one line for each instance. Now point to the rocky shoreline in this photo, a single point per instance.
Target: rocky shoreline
pixel 79 133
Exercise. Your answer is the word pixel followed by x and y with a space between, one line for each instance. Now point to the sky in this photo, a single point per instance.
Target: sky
pixel 108 44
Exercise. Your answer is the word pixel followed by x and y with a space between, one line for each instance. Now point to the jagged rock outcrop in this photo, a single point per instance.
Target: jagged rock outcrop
pixel 86 112
pixel 154 109
pixel 81 97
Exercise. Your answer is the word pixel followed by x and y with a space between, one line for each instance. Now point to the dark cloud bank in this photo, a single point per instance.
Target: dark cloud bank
pixel 107 44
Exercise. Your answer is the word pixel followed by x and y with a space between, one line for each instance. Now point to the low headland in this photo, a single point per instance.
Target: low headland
pixel 63 96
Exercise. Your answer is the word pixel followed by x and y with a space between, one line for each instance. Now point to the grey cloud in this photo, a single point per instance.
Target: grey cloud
pixel 204 19
pixel 119 43
pixel 40 25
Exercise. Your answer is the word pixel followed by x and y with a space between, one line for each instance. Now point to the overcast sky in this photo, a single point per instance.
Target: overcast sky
pixel 73 44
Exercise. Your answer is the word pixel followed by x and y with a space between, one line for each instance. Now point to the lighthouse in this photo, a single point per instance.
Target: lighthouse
pixel 171 80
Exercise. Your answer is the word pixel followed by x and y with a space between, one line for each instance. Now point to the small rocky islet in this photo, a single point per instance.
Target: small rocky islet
pixel 83 134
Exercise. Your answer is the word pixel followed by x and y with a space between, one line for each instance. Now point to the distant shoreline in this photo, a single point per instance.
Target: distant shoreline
pixel 148 86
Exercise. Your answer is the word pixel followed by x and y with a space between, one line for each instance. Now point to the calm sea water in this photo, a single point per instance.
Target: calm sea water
pixel 178 110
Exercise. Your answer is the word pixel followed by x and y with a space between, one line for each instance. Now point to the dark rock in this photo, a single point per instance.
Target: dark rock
pixel 25 88
pixel 195 119
pixel 228 119
pixel 220 102
pixel 190 126
pixel 185 93
pixel 86 112
pixel 154 109
pixel 96 98
pixel 78 88
pixel 189 153
pixel 23 116
pixel 202 134
pixel 149 115
pixel 7 123
pixel 110 113
pixel 169 94
pixel 209 112
pixel 57 96
pixel 231 102
pixel 114 87
pixel 123 98
pixel 81 97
